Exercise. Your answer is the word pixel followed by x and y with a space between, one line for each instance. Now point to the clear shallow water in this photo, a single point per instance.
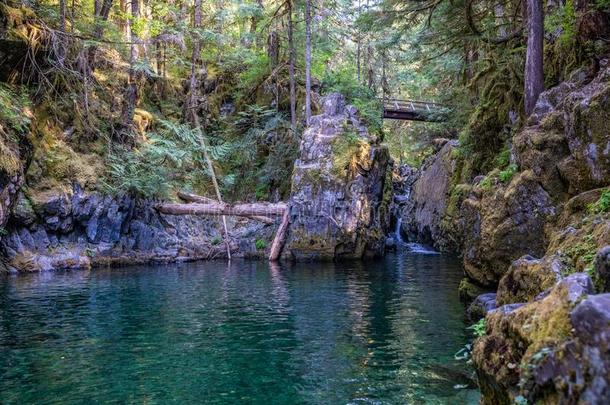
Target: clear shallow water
pixel 382 332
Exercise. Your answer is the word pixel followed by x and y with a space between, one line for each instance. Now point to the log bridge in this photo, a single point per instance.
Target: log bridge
pixel 199 205
pixel 411 110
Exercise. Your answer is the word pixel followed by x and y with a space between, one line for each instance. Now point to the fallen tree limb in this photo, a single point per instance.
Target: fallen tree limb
pixel 280 235
pixel 194 198
pixel 243 210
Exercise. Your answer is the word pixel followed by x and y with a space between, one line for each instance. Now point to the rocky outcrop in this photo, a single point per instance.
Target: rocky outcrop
pixel 83 230
pixel 552 350
pixel 540 237
pixel 560 158
pixel 9 188
pixel 501 225
pixel 425 215
pixel 538 230
pixel 337 188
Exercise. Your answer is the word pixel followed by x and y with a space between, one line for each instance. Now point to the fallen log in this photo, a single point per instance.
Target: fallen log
pixel 280 235
pixel 194 198
pixel 243 210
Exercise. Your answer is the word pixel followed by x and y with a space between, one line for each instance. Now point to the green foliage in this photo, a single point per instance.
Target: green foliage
pixel 357 94
pixel 602 205
pixel 13 102
pixel 502 159
pixel 564 19
pixel 487 183
pixel 583 252
pixel 345 147
pixel 508 173
pixel 264 152
pixel 171 157
pixel 216 240
pixel 603 4
pixel 479 328
pixel 260 244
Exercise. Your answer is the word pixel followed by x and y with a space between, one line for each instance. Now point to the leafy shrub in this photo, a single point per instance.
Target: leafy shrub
pixel 12 106
pixel 260 244
pixel 171 157
pixel 265 152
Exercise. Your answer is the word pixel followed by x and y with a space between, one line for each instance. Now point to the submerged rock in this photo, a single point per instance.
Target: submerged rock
pixel 337 188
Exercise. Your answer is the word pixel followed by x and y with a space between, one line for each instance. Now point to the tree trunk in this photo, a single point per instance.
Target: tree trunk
pixel 194 198
pixel 102 11
pixel 123 24
pixel 193 103
pixel 61 51
pixel 291 57
pixel 280 236
pixel 358 40
pixel 534 73
pixel 192 107
pixel 307 61
pixel 131 91
pixel 242 210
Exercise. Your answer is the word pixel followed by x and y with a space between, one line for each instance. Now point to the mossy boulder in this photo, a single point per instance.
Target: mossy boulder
pixel 527 278
pixel 468 290
pixel 502 224
pixel 517 339
pixel 601 269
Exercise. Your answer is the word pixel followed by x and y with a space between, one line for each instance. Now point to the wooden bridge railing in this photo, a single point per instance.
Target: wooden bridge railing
pixel 414 110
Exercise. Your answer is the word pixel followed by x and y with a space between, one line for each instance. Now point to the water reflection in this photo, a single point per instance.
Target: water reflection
pixel 373 332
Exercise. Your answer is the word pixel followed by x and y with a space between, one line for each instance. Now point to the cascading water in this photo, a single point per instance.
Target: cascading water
pixel 412 247
pixel 397 234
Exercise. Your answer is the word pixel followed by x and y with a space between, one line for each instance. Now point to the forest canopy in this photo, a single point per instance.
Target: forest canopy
pixel 155 96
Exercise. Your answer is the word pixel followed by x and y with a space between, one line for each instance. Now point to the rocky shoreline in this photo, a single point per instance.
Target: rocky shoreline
pixel 81 230
pixel 532 233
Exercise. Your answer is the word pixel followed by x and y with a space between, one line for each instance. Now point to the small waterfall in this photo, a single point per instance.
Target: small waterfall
pixel 411 247
pixel 397 234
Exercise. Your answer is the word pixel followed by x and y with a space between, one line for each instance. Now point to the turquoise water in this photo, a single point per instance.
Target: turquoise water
pixel 382 332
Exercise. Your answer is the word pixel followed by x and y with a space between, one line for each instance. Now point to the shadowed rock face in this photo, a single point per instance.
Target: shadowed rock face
pixel 423 215
pixel 337 188
pixel 83 230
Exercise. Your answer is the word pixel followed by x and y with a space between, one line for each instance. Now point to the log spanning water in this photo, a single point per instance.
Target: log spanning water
pixel 242 210
pixel 257 211
pixel 194 198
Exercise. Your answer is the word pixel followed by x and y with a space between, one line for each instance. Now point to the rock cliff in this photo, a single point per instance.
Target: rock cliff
pixel 337 188
pixel 538 230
